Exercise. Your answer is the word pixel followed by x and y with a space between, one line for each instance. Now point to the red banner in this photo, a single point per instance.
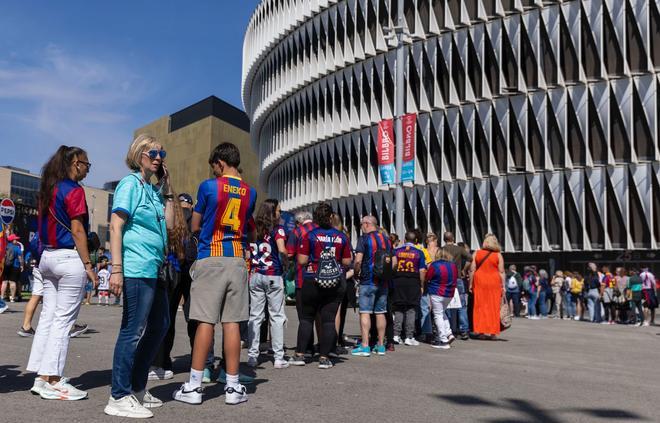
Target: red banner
pixel 386 142
pixel 386 151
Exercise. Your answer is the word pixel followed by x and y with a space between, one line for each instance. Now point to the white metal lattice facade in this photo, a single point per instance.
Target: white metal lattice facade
pixel 537 120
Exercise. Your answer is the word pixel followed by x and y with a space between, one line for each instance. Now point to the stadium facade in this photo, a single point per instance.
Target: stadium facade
pixel 536 120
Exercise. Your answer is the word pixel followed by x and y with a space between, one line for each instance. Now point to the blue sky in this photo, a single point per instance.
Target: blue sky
pixel 88 73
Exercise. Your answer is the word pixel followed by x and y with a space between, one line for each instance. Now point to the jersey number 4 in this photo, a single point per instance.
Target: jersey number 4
pixel 231 215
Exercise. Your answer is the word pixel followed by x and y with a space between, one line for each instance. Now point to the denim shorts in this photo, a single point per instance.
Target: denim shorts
pixel 373 299
pixel 89 286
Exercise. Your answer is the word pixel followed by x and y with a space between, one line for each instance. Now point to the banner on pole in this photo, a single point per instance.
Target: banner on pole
pixel 386 151
pixel 409 132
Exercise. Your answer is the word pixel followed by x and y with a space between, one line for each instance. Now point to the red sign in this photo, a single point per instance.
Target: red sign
pixel 409 127
pixel 386 142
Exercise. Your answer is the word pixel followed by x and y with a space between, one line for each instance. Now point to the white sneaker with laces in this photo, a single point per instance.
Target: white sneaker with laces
pixel 38 385
pixel 235 395
pixel 411 342
pixel 62 390
pixel 158 373
pixel 252 362
pixel 147 400
pixel 127 406
pixel 188 395
pixel 397 340
pixel 280 364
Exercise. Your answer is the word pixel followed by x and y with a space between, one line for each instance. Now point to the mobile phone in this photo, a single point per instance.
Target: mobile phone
pixel 160 173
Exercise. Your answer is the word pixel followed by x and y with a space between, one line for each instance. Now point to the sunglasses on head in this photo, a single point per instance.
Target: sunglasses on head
pixel 155 153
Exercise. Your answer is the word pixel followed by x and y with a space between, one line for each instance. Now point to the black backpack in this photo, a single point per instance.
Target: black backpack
pixel 382 263
pixel 328 271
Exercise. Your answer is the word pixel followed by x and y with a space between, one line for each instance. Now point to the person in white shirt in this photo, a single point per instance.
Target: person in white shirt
pixel 104 281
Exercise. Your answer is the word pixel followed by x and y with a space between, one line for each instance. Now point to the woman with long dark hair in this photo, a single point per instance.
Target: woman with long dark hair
pixel 267 284
pixel 65 266
pixel 142 213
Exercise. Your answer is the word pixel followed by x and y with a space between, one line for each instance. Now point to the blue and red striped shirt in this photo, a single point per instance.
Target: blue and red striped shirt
pixel 368 244
pixel 265 254
pixel 314 242
pixel 226 204
pixel 293 247
pixel 441 278
pixel 67 203
pixel 410 260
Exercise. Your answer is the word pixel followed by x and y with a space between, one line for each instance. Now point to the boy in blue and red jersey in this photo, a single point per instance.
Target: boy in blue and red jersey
pixel 441 278
pixel 219 292
pixel 407 287
pixel 373 291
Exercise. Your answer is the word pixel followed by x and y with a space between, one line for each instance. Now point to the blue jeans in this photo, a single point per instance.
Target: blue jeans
pixel 373 299
pixel 514 297
pixel 144 323
pixel 543 305
pixel 593 305
pixel 425 315
pixel 463 323
pixel 531 303
pixel 571 305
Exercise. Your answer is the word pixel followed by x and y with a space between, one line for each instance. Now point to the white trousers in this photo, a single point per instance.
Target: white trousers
pixel 439 305
pixel 266 291
pixel 64 281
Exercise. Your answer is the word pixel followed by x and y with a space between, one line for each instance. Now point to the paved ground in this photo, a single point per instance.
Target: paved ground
pixel 553 371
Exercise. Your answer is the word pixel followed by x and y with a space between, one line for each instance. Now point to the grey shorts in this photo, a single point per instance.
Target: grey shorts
pixel 219 290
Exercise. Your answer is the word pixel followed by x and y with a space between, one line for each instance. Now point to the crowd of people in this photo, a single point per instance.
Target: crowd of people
pixel 226 261
pixel 627 296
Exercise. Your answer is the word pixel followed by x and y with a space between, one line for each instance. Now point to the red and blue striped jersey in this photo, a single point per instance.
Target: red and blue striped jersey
pixel 266 256
pixel 293 247
pixel 67 203
pixel 368 244
pixel 314 242
pixel 410 260
pixel 226 204
pixel 441 278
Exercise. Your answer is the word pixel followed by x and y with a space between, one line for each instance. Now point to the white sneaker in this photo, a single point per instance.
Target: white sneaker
pixel 4 308
pixel 280 363
pixel 397 340
pixel 576 318
pixel 158 373
pixel 252 362
pixel 411 342
pixel 646 324
pixel 38 385
pixel 147 400
pixel 185 394
pixel 62 390
pixel 235 395
pixel 127 406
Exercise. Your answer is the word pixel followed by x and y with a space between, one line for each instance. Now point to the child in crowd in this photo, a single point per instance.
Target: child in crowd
pixel 104 281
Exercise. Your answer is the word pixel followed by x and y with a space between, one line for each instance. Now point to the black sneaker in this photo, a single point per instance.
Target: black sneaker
pixel 25 333
pixel 465 336
pixel 325 363
pixel 77 330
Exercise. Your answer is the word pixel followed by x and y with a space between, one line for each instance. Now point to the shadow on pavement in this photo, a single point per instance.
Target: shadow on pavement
pixel 529 411
pixel 93 379
pixel 11 379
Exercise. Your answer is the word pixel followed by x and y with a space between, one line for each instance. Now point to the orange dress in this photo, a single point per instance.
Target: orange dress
pixel 487 289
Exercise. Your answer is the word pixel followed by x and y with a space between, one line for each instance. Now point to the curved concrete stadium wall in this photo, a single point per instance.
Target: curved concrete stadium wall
pixel 537 120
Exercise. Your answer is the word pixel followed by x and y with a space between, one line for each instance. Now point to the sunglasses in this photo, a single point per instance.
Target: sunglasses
pixel 88 164
pixel 155 153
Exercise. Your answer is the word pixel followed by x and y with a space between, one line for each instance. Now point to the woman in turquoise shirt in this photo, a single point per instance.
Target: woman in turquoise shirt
pixel 142 212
